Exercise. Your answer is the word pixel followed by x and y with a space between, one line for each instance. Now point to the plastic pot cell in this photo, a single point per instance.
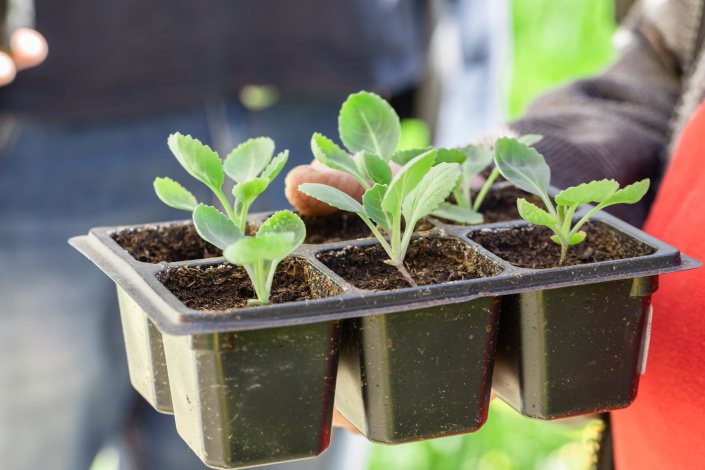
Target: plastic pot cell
pixel 421 373
pixel 576 344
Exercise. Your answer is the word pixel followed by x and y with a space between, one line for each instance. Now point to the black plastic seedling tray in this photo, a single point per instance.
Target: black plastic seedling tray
pixel 398 349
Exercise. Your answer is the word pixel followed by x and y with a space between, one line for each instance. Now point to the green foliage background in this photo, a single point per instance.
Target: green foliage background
pixel 554 41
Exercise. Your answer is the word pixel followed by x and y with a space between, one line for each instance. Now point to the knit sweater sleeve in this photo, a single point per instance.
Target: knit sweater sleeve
pixel 616 124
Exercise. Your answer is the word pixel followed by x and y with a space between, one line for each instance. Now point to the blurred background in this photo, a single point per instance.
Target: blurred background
pixel 553 41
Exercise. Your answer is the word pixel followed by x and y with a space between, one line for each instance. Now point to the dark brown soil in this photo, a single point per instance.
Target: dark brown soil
pixel 500 204
pixel 334 228
pixel 429 260
pixel 225 286
pixel 343 226
pixel 172 243
pixel 168 243
pixel 531 247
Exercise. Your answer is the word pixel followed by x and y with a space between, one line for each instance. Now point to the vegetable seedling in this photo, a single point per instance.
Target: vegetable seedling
pixel 276 239
pixel 370 129
pixel 477 158
pixel 251 165
pixel 526 168
pixel 252 168
pixel 416 191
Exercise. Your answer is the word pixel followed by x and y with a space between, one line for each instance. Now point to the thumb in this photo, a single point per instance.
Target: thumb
pixel 307 205
pixel 7 69
pixel 29 48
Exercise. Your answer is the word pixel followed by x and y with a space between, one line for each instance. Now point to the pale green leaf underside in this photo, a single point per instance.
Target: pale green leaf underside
pixel 373 168
pixel 574 240
pixel 332 196
pixel 451 156
pixel 402 157
pixel 594 191
pixel 461 215
pixel 285 222
pixel 478 158
pixel 275 166
pixel 369 123
pixel 406 180
pixel 332 156
pixel 629 194
pixel 247 160
pixel 372 200
pixel 248 251
pixel 433 189
pixel 530 139
pixel 534 214
pixel 523 166
pixel 249 190
pixel 197 159
pixel 214 227
pixel 173 194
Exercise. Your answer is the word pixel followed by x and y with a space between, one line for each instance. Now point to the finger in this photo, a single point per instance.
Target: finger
pixel 29 48
pixel 477 181
pixel 7 69
pixel 307 205
pixel 340 422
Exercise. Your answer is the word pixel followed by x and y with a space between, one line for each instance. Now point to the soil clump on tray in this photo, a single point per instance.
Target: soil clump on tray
pixel 226 286
pixel 531 246
pixel 429 260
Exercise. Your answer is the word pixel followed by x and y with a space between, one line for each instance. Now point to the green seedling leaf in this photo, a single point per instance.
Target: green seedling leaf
pixel 334 157
pixel 250 250
pixel 478 158
pixel 523 166
pixel 451 156
pixel 629 194
pixel 461 215
pixel 373 168
pixel 534 214
pixel 530 139
pixel 372 201
pixel 248 159
pixel 332 196
pixel 214 227
pixel 433 189
pixel 369 123
pixel 249 190
pixel 275 166
pixel 285 222
pixel 594 191
pixel 574 240
pixel 402 157
pixel 173 194
pixel 197 159
pixel 406 180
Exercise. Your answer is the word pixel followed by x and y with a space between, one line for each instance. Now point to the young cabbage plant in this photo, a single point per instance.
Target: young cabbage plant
pixel 251 165
pixel 476 159
pixel 276 239
pixel 415 191
pixel 527 169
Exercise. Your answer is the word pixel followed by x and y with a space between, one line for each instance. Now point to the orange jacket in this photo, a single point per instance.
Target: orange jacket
pixel 665 427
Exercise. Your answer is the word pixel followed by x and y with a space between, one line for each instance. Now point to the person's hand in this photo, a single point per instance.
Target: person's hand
pixel 340 422
pixel 316 172
pixel 28 49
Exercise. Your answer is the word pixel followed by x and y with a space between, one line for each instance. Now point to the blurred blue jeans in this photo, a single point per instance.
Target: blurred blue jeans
pixel 64 388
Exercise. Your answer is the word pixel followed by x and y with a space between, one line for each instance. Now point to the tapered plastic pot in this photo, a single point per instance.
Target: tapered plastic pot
pixel 145 354
pixel 576 342
pixel 254 397
pixel 419 374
